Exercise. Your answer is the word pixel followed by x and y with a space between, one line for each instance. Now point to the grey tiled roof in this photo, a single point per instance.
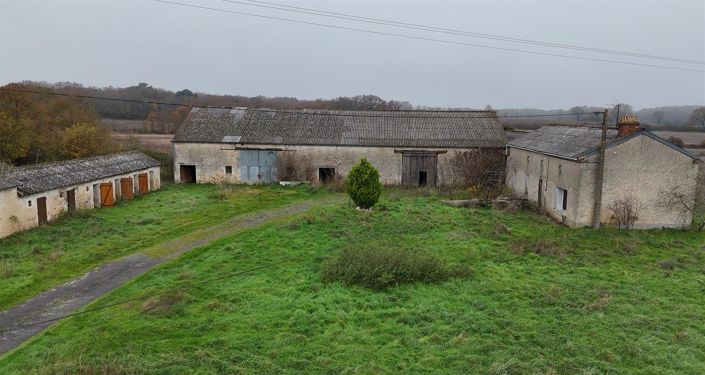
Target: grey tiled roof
pixel 343 128
pixel 43 177
pixel 7 182
pixel 563 140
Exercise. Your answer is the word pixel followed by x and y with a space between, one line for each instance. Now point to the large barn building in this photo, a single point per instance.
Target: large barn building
pixel 556 169
pixel 34 195
pixel 408 147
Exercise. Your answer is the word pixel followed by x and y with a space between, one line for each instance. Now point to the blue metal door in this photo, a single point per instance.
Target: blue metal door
pixel 258 166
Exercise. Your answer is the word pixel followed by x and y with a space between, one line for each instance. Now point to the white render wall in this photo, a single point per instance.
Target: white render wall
pixel 644 167
pixel 211 159
pixel 640 167
pixel 525 169
pixel 16 213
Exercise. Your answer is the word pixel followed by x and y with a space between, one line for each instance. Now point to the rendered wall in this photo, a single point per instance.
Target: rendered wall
pixel 525 169
pixel 17 214
pixel 640 167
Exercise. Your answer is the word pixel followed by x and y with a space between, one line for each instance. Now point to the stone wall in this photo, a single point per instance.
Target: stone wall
pixel 211 160
pixel 640 167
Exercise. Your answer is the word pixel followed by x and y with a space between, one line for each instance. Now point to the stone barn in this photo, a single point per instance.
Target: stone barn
pixel 250 145
pixel 556 169
pixel 35 195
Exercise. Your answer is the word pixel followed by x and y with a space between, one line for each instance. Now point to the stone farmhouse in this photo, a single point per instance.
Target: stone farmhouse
pixel 408 147
pixel 35 195
pixel 556 169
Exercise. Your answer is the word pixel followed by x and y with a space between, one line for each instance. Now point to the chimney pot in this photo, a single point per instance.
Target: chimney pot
pixel 628 125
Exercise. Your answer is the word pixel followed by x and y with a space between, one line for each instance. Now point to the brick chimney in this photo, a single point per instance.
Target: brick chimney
pixel 628 125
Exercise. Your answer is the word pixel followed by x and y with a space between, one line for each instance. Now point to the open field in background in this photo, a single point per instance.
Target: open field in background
pixel 690 138
pixel 537 298
pixel 33 261
pixel 124 126
pixel 156 142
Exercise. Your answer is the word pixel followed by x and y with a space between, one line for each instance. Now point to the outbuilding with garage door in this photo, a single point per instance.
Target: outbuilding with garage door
pixel 35 195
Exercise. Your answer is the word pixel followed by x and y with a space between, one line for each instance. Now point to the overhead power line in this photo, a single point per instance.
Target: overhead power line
pixel 367 113
pixel 412 37
pixel 441 30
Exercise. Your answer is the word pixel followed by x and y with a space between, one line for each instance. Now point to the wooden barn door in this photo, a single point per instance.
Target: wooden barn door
pixel 144 183
pixel 106 194
pixel 42 210
pixel 128 192
pixel 71 200
pixel 419 169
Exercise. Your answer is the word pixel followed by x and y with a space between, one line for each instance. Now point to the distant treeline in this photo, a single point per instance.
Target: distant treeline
pixel 39 127
pixel 165 119
pixel 685 117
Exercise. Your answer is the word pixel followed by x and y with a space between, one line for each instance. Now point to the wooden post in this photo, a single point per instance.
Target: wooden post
pixel 600 173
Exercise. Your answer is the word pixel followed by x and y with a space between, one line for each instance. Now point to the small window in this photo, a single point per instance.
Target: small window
pixel 29 203
pixel 228 169
pixel 61 194
pixel 88 188
pixel 561 199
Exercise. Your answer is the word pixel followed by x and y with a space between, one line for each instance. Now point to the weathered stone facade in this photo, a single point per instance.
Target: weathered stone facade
pixel 247 145
pixel 641 167
pixel 211 160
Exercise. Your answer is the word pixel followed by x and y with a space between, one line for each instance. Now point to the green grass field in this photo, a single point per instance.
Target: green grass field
pixel 540 298
pixel 33 261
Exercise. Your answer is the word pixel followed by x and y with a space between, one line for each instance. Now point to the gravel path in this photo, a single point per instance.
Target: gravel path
pixel 66 298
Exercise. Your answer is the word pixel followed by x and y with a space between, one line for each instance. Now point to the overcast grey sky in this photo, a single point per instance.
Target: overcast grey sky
pixel 121 43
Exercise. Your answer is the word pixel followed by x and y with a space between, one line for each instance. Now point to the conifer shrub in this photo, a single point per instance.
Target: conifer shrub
pixel 363 184
pixel 379 269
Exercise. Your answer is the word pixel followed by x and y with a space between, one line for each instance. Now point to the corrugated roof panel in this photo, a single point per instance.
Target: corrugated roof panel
pixel 563 140
pixel 348 128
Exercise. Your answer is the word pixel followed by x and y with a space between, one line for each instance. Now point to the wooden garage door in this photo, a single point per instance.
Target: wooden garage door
pixel 419 169
pixel 106 195
pixel 126 188
pixel 42 210
pixel 258 166
pixel 144 183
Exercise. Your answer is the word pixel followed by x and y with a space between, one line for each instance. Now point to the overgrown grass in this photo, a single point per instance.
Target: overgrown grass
pixel 35 260
pixel 381 268
pixel 542 299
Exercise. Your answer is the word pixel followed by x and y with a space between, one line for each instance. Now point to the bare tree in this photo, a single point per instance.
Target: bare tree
pixel 697 117
pixel 294 167
pixel 577 111
pixel 676 199
pixel 626 211
pixel 658 115
pixel 483 169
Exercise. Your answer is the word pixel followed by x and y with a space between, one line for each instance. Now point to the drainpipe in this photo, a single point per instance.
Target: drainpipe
pixel 600 174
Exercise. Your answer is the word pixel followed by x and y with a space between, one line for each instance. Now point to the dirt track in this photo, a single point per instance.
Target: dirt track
pixel 26 319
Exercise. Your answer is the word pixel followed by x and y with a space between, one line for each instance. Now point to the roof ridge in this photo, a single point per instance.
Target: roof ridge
pixel 71 161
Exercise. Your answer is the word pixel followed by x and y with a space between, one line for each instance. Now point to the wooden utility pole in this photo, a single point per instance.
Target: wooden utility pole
pixel 600 173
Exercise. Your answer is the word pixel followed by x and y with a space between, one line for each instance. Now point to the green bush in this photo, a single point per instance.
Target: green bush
pixel 363 184
pixel 381 268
